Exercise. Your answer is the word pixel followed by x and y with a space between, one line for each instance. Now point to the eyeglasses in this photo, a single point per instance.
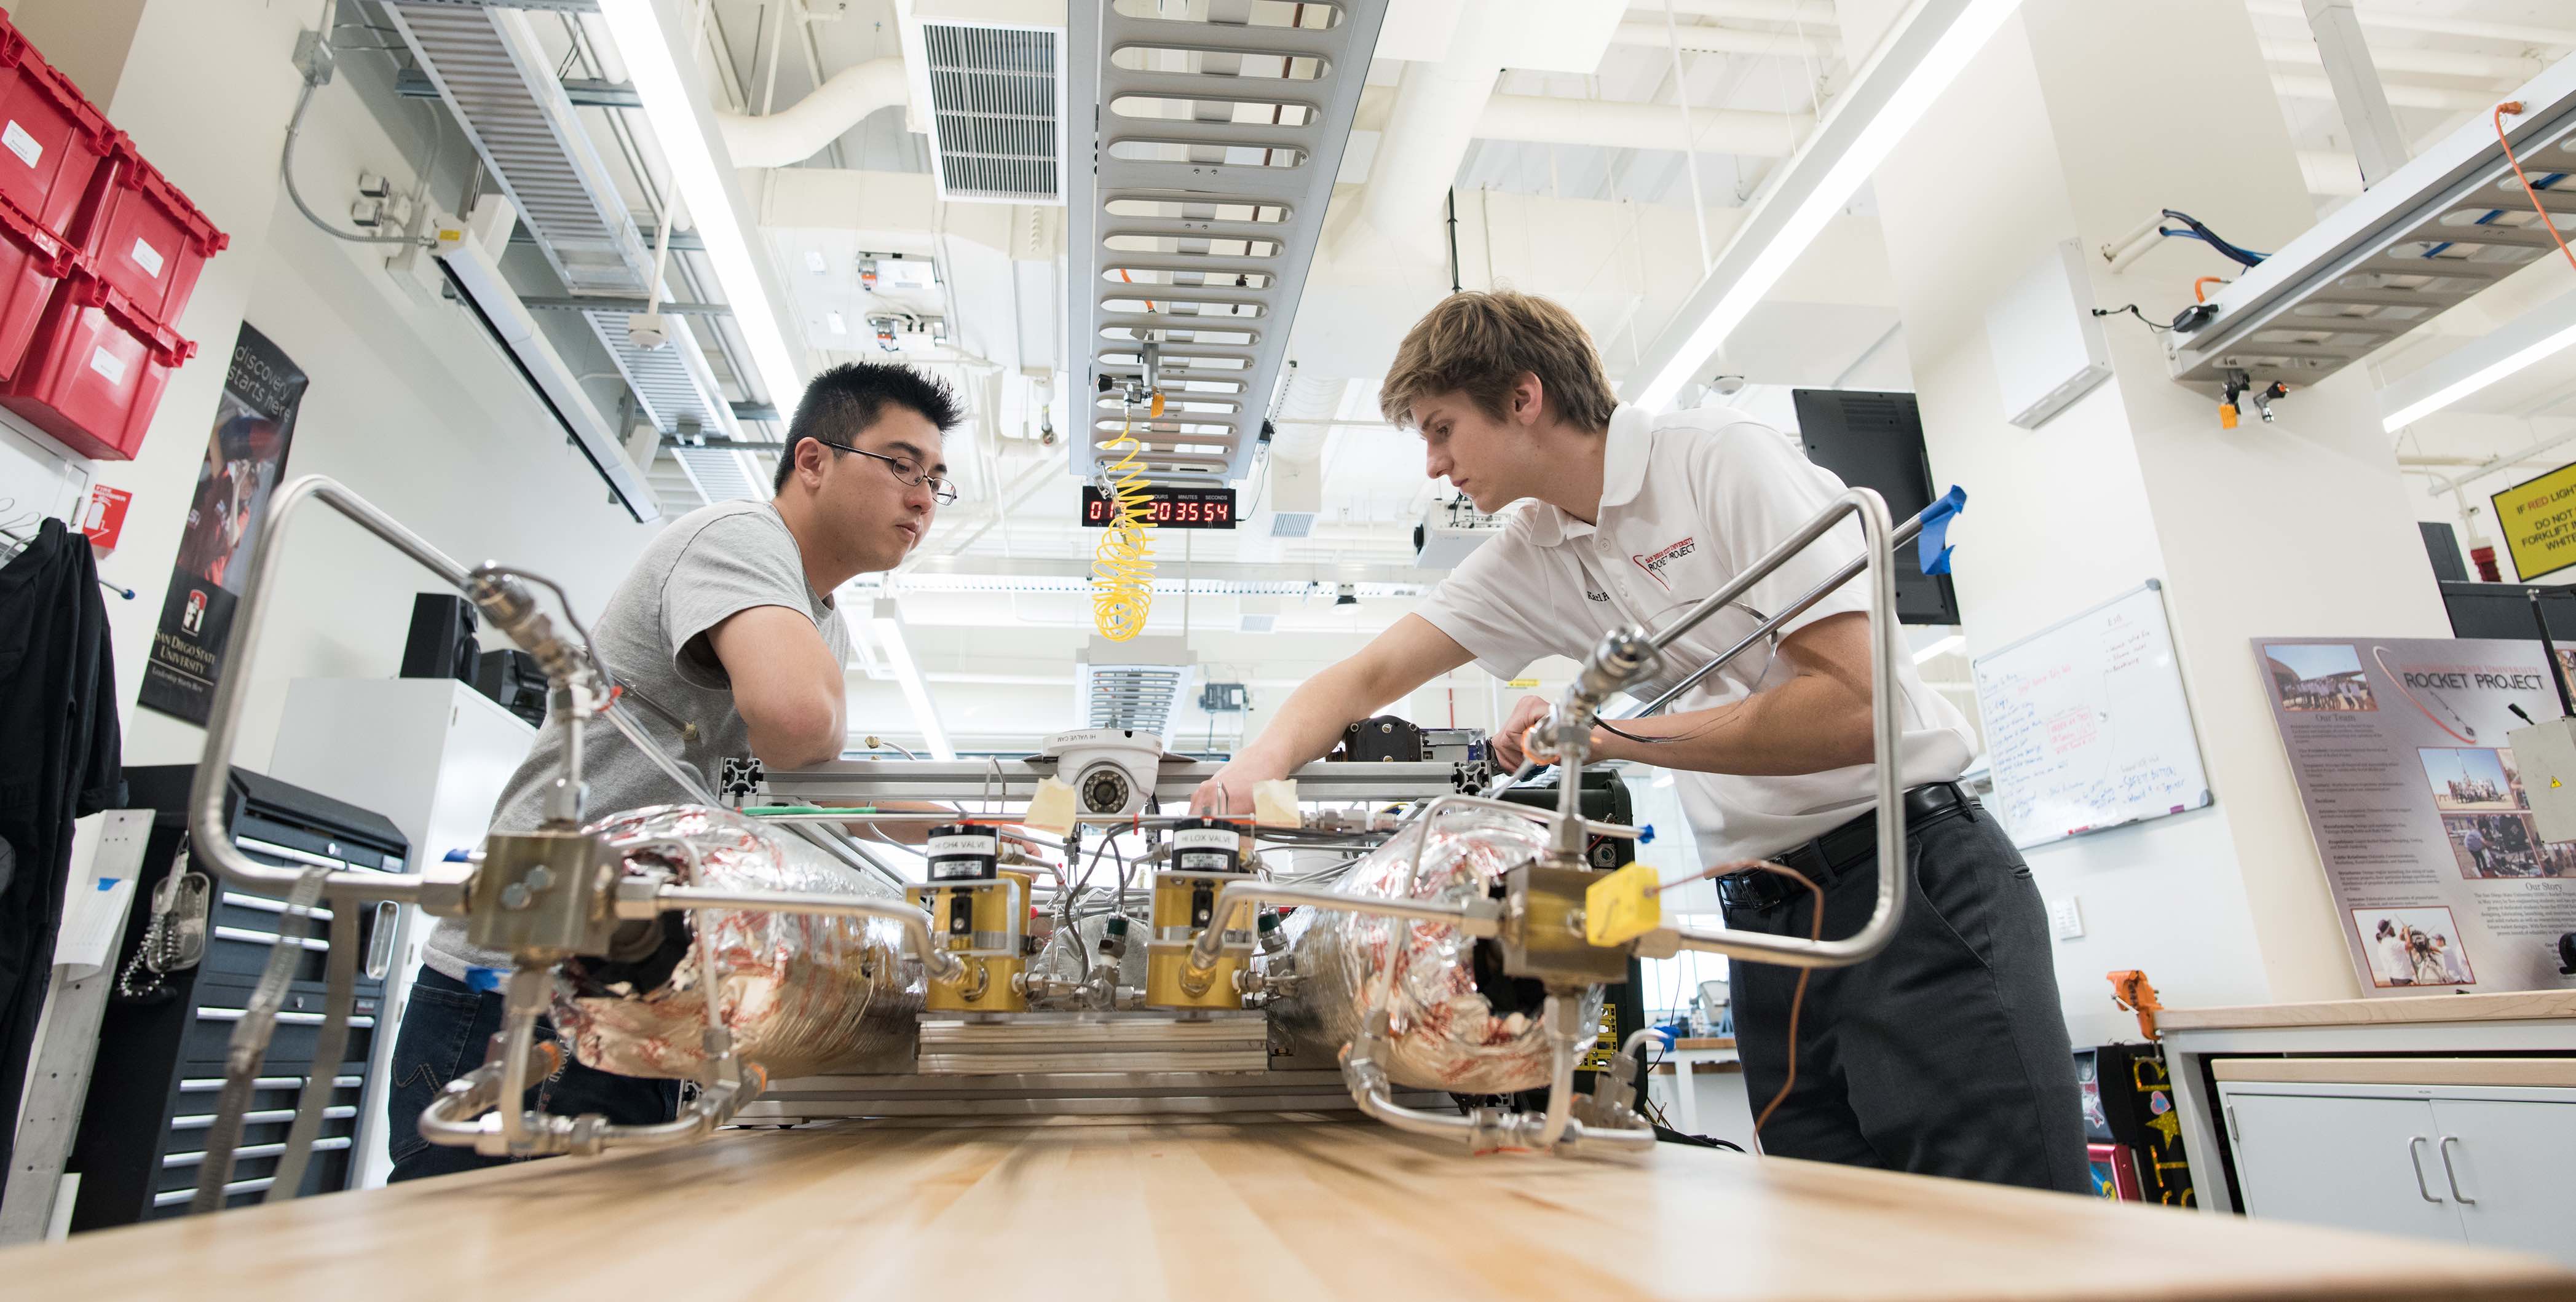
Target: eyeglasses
pixel 942 489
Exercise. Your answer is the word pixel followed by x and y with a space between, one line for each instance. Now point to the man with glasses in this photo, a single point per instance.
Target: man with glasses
pixel 727 623
pixel 1947 1053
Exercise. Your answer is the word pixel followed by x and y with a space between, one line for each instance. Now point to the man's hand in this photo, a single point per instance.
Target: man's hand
pixel 1526 712
pixel 1229 793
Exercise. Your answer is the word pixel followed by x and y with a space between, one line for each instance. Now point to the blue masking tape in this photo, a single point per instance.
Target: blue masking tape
pixel 459 855
pixel 1931 551
pixel 485 978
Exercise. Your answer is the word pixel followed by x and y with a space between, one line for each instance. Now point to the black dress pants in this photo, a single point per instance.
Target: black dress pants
pixel 1947 1053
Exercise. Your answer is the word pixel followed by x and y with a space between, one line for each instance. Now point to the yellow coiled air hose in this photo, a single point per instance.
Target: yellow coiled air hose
pixel 1122 565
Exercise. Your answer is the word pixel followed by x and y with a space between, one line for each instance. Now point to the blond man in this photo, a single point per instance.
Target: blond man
pixel 1946 1054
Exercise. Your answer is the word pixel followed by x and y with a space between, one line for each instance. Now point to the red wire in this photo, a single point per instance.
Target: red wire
pixel 2547 222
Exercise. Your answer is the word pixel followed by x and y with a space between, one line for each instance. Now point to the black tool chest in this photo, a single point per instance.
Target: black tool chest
pixel 160 1065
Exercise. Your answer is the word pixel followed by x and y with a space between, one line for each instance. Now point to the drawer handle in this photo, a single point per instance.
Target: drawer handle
pixel 2452 1173
pixel 254 936
pixel 2415 1162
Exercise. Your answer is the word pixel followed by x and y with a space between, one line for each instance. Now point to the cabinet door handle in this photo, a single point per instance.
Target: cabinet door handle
pixel 2415 1162
pixel 2450 1172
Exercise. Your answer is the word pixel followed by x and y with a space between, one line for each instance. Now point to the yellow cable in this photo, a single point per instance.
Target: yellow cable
pixel 1122 564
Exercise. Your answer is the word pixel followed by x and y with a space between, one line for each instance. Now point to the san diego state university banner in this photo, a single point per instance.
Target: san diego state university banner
pixel 245 458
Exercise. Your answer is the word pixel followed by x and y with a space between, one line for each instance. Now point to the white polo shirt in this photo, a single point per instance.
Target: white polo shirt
pixel 1688 500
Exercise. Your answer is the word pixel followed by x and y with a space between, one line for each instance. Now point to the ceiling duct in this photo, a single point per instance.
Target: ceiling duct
pixel 1134 684
pixel 1211 162
pixel 997 109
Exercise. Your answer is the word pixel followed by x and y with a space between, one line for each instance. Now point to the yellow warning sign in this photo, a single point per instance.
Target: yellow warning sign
pixel 2538 517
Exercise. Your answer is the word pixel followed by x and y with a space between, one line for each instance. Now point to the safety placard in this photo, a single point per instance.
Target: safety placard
pixel 2538 517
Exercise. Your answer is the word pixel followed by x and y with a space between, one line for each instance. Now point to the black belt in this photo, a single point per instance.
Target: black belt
pixel 1829 856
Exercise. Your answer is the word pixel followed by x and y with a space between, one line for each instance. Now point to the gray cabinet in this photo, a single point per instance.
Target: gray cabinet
pixel 2479 1164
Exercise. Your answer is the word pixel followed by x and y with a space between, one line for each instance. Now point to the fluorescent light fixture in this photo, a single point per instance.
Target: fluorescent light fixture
pixel 1941 648
pixel 2515 346
pixel 1923 53
pixel 654 68
pixel 887 633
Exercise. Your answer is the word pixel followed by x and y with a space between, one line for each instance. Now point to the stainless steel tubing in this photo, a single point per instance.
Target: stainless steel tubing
pixel 223 720
pixel 1894 872
pixel 941 964
pixel 1905 533
pixel 1211 941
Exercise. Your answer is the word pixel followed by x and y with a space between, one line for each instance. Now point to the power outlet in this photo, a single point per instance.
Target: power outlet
pixel 2065 919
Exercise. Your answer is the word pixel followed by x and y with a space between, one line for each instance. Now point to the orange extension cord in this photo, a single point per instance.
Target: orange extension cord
pixel 2547 223
pixel 1797 998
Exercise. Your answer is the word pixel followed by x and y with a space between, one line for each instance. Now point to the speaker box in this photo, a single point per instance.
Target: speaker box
pixel 442 643
pixel 511 677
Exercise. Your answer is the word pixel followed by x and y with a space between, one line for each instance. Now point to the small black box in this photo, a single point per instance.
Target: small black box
pixel 511 677
pixel 442 643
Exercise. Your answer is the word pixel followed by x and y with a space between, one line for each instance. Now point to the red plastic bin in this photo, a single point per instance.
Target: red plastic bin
pixel 52 139
pixel 142 236
pixel 32 264
pixel 93 375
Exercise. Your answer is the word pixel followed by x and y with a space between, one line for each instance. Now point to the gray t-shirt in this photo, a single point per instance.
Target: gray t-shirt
pixel 701 569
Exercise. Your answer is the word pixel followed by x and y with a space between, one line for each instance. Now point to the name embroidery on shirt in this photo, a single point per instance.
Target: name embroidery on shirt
pixel 1654 564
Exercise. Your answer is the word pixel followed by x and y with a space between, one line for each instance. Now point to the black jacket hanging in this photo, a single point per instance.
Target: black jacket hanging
pixel 59 759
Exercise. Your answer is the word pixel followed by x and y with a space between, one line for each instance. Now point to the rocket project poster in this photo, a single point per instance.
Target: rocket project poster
pixel 2399 746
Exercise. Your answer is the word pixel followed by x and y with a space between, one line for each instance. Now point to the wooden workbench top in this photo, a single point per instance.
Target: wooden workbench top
pixel 1231 1209
pixel 2516 1005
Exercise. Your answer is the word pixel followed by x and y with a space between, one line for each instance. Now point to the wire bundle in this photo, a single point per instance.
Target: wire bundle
pixel 1122 565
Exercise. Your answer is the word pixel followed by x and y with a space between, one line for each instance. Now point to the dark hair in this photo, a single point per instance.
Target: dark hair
pixel 848 398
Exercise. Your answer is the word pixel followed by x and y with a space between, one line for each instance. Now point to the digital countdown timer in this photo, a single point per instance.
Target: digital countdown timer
pixel 1166 507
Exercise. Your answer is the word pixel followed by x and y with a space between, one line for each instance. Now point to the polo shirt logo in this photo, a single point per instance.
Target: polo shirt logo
pixel 1654 565
pixel 1602 597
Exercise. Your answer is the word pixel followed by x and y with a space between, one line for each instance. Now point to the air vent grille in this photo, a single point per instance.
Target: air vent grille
pixel 996 101
pixel 1138 697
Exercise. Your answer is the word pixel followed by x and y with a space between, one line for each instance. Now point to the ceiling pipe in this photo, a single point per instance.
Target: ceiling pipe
pixel 2437 63
pixel 2400 94
pixel 810 125
pixel 2380 16
pixel 1423 139
pixel 1728 40
pixel 1619 124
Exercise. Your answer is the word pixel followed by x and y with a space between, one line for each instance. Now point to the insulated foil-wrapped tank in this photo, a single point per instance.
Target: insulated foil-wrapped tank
pixel 1445 1033
pixel 801 993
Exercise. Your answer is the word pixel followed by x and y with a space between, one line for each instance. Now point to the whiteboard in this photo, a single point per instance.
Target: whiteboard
pixel 2087 727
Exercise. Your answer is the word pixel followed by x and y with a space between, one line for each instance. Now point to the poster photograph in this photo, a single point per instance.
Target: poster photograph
pixel 245 459
pixel 2401 750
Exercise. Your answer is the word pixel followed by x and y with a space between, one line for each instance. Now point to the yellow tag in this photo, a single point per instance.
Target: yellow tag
pixel 1274 802
pixel 1617 908
pixel 1522 684
pixel 2555 783
pixel 1051 809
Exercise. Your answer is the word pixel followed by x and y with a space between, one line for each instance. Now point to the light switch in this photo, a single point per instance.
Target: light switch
pixel 2064 918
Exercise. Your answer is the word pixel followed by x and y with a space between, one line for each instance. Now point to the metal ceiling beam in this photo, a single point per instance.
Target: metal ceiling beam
pixel 1202 168
pixel 2432 235
pixel 584 92
pixel 589 303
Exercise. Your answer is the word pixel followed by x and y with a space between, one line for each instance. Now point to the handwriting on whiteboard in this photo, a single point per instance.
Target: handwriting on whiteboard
pixel 2087 726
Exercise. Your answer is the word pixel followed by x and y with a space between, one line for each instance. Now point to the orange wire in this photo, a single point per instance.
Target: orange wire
pixel 2514 106
pixel 1149 303
pixel 2200 295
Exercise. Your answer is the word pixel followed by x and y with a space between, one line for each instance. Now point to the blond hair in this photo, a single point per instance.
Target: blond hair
pixel 1481 344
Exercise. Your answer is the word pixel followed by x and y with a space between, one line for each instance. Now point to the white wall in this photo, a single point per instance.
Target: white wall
pixel 410 405
pixel 2297 528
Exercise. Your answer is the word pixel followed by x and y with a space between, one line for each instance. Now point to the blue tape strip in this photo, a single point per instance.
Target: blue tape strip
pixel 485 978
pixel 1931 550
pixel 459 855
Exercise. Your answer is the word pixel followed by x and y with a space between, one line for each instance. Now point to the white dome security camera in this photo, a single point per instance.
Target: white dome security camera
pixel 648 330
pixel 1727 386
pixel 1111 770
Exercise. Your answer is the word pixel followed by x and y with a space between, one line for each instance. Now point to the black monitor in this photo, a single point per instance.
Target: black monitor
pixel 2503 610
pixel 1875 440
